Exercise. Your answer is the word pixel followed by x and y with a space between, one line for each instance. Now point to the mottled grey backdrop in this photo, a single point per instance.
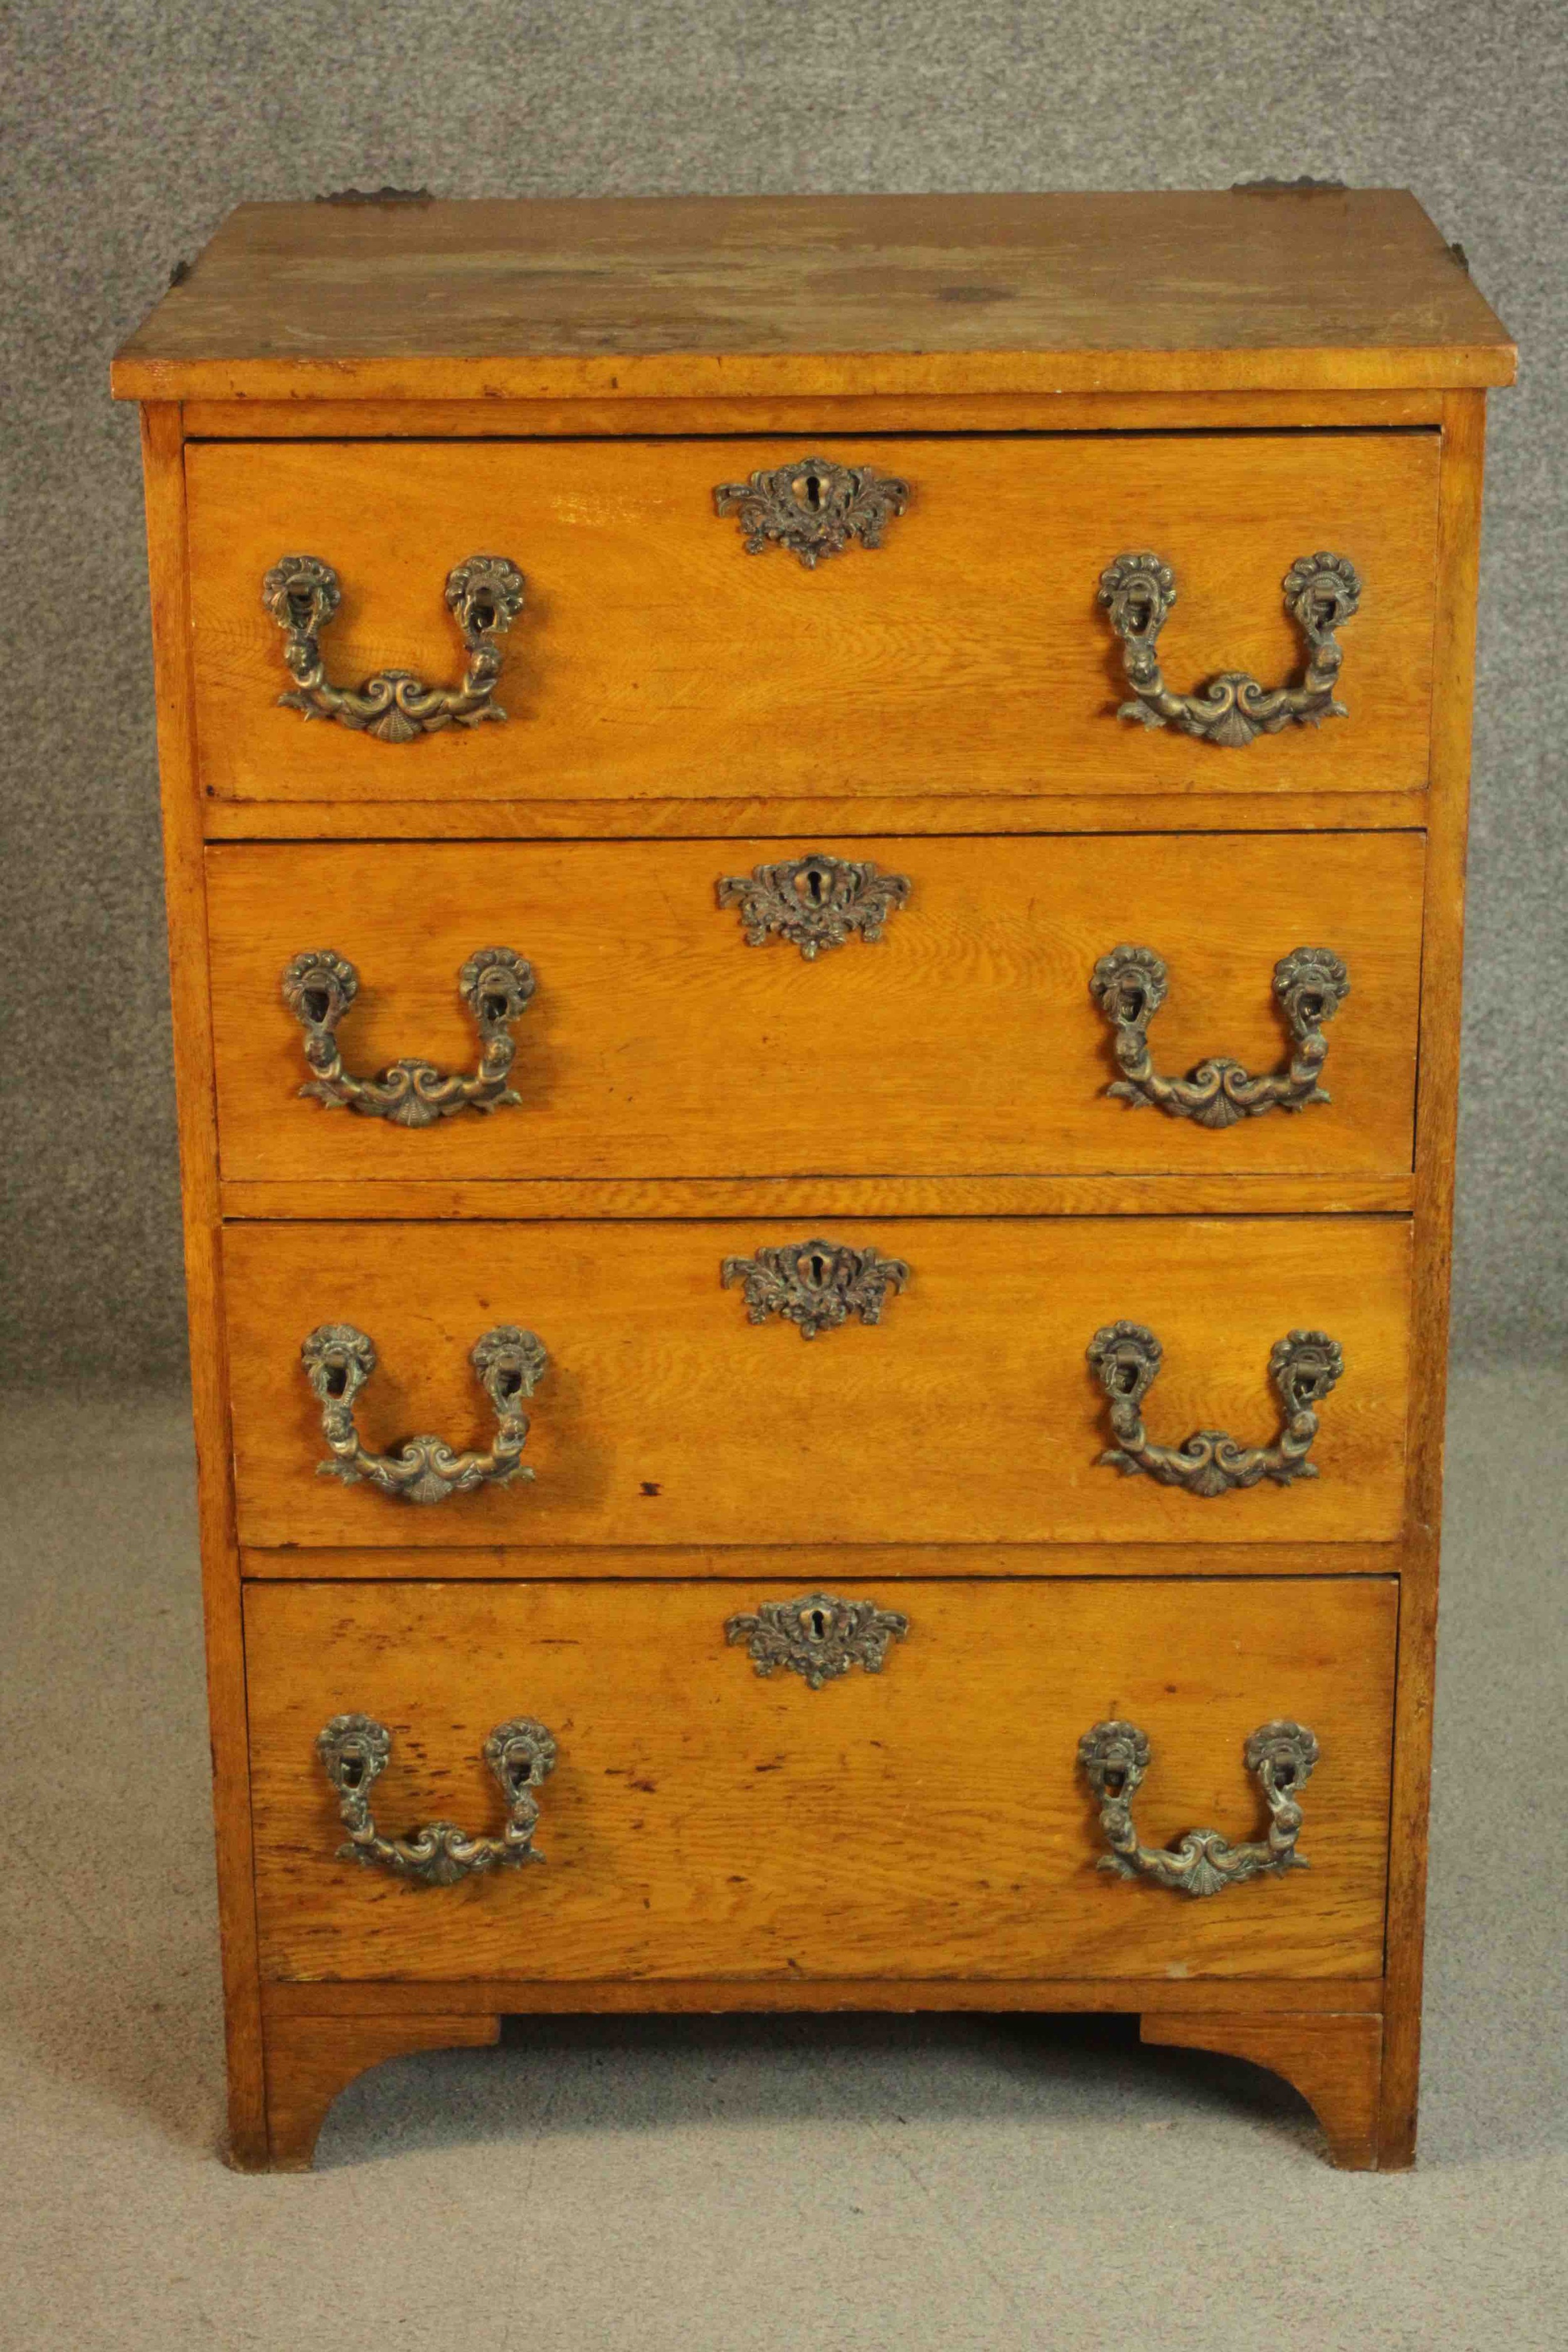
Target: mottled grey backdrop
pixel 127 130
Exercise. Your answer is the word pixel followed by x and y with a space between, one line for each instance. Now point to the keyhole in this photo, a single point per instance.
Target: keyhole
pixel 809 490
pixel 817 1266
pixel 816 1624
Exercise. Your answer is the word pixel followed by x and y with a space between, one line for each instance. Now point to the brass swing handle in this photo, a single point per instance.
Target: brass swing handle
pixel 484 596
pixel 1280 1755
pixel 1304 1366
pixel 496 984
pixel 1129 985
pixel 354 1750
pixel 1321 593
pixel 338 1359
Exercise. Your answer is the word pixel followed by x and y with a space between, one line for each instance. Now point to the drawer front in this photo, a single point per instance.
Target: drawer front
pixel 654 657
pixel 928 1819
pixel 968 1412
pixel 964 1039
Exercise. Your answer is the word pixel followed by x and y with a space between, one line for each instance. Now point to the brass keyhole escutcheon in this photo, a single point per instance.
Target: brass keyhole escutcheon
pixel 817 1635
pixel 814 902
pixel 812 507
pixel 815 1284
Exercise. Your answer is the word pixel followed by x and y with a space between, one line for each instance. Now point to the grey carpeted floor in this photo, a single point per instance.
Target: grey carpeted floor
pixel 701 2186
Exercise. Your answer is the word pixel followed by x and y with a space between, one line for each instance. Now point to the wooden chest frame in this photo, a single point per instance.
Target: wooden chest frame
pixel 1352 2048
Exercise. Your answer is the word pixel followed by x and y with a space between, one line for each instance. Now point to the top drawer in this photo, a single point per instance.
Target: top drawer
pixel 968 653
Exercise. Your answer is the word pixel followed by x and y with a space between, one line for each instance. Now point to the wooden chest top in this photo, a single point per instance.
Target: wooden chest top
pixel 411 298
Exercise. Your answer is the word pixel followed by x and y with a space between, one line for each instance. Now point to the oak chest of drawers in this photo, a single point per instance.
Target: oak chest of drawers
pixel 814 857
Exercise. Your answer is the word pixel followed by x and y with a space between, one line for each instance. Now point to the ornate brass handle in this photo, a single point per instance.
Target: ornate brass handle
pixel 1321 593
pixel 355 1750
pixel 338 1361
pixel 484 596
pixel 1303 1367
pixel 1129 985
pixel 818 1636
pixel 318 986
pixel 813 507
pixel 815 1284
pixel 814 902
pixel 1115 1757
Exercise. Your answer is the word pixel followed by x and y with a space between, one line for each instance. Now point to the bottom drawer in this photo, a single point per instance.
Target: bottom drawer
pixel 931 1819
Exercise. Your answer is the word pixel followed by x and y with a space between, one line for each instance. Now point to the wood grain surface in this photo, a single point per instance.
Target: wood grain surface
pixel 681 1563
pixel 1072 1996
pixel 655 657
pixel 373 1199
pixel 196 1111
pixel 659 1044
pixel 968 1414
pixel 1271 806
pixel 928 1820
pixel 310 2059
pixel 773 295
pixel 1335 2061
pixel 1443 959
pixel 615 417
